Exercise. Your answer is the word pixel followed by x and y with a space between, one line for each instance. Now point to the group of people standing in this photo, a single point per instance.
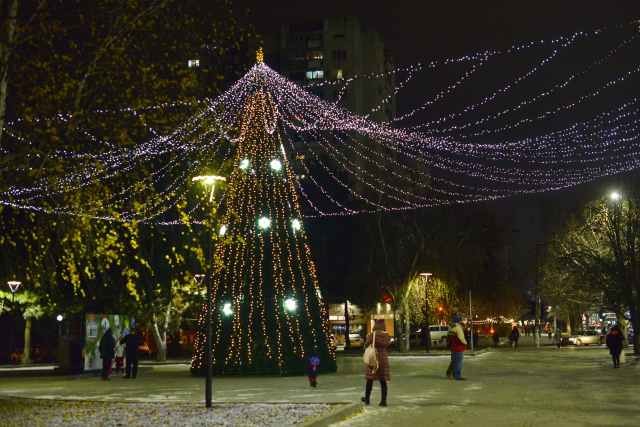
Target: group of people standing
pixel 108 350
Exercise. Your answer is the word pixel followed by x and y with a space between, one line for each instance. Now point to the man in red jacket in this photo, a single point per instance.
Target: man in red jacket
pixel 458 345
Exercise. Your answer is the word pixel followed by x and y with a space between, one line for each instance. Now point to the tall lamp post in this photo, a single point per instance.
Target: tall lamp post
pixel 13 285
pixel 209 181
pixel 426 308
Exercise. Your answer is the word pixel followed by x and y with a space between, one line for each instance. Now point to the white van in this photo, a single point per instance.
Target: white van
pixel 438 333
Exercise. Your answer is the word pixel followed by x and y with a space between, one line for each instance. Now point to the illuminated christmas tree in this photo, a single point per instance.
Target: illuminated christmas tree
pixel 267 307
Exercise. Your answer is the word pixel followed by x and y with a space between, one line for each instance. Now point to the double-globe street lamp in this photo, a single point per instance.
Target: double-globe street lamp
pixel 13 285
pixel 209 181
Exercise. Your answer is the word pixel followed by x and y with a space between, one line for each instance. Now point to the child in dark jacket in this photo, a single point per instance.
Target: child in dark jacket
pixel 313 367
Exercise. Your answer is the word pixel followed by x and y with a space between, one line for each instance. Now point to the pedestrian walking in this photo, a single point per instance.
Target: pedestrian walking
pixel 313 367
pixel 106 349
pixel 515 336
pixel 496 338
pixel 487 329
pixel 615 345
pixel 458 345
pixel 526 331
pixel 558 337
pixel 382 372
pixel 131 343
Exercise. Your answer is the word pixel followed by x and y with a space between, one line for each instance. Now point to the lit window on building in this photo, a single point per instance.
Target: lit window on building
pixel 336 74
pixel 315 74
pixel 194 63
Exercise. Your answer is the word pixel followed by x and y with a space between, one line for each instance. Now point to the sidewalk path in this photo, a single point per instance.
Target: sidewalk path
pixel 570 386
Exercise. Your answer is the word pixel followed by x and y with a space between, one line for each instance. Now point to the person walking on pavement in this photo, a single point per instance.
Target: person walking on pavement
pixel 131 343
pixel 496 338
pixel 458 345
pixel 615 344
pixel 557 337
pixel 106 349
pixel 515 336
pixel 382 373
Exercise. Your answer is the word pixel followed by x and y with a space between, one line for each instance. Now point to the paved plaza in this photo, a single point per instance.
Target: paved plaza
pixel 505 387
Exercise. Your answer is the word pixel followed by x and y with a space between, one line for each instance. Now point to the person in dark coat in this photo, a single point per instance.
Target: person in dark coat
pixel 615 344
pixel 313 367
pixel 515 336
pixel 106 349
pixel 382 373
pixel 496 338
pixel 132 342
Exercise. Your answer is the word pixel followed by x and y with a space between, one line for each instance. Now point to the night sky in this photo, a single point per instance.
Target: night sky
pixel 424 31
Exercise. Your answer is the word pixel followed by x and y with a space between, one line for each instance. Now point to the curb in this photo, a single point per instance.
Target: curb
pixel 335 415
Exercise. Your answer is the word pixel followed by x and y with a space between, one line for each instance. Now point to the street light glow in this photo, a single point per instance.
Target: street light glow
pixel 59 317
pixel 14 285
pixel 209 180
pixel 615 196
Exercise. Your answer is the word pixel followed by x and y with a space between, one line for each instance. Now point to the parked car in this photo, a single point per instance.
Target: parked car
pixel 582 337
pixel 414 340
pixel 356 340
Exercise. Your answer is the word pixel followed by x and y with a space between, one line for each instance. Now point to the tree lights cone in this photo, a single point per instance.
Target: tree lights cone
pixel 267 307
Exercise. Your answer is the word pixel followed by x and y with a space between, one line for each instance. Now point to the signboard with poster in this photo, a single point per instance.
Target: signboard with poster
pixel 95 327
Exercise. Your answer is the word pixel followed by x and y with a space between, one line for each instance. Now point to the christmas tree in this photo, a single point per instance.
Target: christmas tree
pixel 267 307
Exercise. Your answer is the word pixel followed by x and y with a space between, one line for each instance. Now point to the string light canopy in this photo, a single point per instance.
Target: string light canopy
pixel 568 114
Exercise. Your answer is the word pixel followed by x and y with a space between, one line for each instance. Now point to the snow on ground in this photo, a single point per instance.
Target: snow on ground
pixel 36 412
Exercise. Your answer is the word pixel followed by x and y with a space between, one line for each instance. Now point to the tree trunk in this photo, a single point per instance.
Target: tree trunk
pixel 160 333
pixel 5 52
pixel 622 322
pixel 26 360
pixel 636 329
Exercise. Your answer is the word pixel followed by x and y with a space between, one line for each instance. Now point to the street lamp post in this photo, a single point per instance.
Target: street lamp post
pixel 426 308
pixel 13 285
pixel 209 180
